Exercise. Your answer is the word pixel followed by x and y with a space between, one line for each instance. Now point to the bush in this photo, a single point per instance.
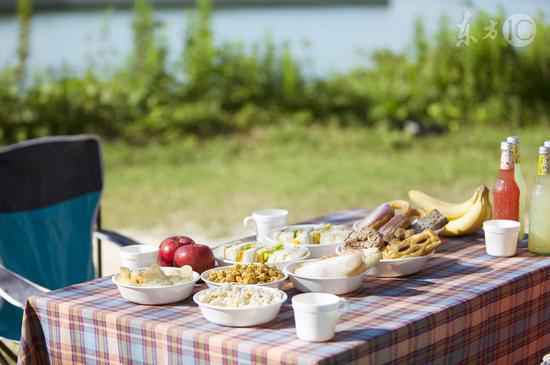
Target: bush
pixel 228 89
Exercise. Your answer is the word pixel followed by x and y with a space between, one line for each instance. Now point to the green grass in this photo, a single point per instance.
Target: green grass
pixel 212 185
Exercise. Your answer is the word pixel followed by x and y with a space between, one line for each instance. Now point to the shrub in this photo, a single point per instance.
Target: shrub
pixel 229 88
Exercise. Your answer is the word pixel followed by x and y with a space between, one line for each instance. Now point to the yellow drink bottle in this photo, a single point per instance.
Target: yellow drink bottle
pixel 539 214
pixel 522 185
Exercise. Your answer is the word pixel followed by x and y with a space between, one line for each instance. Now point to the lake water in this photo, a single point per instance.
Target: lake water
pixel 329 38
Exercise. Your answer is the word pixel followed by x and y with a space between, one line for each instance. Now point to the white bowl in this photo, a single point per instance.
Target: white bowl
pixel 336 285
pixel 241 317
pixel 317 250
pixel 137 256
pixel 211 284
pixel 393 268
pixel 218 254
pixel 155 295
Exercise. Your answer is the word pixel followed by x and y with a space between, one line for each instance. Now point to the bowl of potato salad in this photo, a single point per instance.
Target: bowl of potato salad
pixel 156 285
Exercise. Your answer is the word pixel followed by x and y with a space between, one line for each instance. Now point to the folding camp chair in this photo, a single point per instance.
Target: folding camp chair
pixel 50 190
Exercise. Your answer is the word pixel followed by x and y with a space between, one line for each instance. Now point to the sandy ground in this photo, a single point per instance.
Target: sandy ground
pixel 154 235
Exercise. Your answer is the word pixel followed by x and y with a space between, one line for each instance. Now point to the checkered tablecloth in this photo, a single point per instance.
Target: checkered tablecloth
pixel 465 308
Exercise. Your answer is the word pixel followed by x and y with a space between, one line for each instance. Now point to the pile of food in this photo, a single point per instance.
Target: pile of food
pixel 464 218
pixel 324 234
pixel 154 276
pixel 397 231
pixel 256 273
pixel 230 296
pixel 400 231
pixel 252 252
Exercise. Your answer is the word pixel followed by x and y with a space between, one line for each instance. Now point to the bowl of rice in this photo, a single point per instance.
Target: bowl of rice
pixel 240 306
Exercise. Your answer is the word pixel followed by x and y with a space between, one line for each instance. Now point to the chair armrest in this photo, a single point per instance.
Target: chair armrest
pixel 114 237
pixel 15 289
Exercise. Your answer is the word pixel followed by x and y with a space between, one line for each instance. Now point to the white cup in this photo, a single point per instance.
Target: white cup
pixel 267 221
pixel 138 256
pixel 501 237
pixel 316 314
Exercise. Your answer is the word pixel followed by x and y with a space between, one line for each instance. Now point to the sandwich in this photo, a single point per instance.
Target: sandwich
pixel 243 252
pixel 250 252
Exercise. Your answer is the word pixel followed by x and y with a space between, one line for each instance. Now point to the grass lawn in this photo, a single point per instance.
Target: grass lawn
pixel 206 188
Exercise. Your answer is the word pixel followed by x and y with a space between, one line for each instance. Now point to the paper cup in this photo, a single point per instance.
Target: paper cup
pixel 138 256
pixel 316 314
pixel 501 237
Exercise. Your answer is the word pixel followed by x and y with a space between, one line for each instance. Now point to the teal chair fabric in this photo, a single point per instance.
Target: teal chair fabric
pixel 49 194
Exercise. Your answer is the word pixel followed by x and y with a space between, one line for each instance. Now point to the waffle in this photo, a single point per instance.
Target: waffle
pixel 420 244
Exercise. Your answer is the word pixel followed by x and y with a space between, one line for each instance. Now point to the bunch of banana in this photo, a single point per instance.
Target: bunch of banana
pixel 464 218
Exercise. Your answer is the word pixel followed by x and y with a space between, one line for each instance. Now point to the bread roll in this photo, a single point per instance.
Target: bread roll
pixel 349 264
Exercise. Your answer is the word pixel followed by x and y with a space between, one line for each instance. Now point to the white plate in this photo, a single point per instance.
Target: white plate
pixel 241 317
pixel 218 254
pixel 155 295
pixel 211 284
pixel 317 251
pixel 393 268
pixel 337 285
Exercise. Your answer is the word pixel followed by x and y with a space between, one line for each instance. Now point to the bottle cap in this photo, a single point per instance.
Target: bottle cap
pixel 513 139
pixel 543 150
pixel 505 146
pixel 547 144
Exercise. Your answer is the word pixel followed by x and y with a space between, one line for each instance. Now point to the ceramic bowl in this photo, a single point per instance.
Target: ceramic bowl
pixel 393 268
pixel 241 317
pixel 211 284
pixel 336 285
pixel 156 295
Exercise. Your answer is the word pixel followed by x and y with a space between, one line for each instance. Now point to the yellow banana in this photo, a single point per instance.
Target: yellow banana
pixel 450 210
pixel 472 220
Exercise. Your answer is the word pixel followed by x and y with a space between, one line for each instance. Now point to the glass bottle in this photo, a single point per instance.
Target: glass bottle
pixel 522 185
pixel 506 191
pixel 539 214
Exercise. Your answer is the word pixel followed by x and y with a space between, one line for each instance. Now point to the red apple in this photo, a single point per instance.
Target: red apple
pixel 168 248
pixel 199 257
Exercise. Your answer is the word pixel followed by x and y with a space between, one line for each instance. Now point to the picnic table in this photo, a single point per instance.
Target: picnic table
pixel 466 307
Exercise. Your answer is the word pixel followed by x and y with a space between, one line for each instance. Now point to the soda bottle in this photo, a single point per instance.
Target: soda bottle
pixel 539 214
pixel 520 180
pixel 506 191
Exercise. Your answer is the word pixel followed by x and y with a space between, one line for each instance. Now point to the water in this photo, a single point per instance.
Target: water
pixel 328 39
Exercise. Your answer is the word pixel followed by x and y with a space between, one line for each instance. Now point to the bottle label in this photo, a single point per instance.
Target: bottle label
pixel 543 166
pixel 506 160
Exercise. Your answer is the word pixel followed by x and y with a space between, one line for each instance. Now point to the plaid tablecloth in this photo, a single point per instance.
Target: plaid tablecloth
pixel 466 308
